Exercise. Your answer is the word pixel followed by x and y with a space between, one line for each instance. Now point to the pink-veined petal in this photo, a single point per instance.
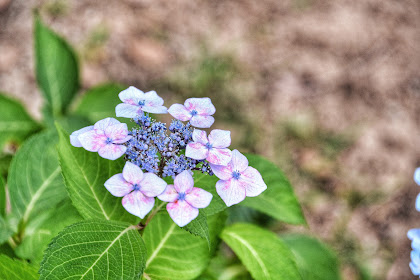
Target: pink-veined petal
pixel 74 137
pixel 118 186
pixel 92 141
pixel 200 136
pixel 112 151
pixel 198 198
pixel 219 156
pixel 203 106
pixel 117 132
pixel 239 161
pixel 219 138
pixel 230 191
pixel 179 112
pixel 196 151
pixel 131 95
pixel 138 204
pixel 132 173
pixel 155 109
pixel 122 140
pixel 169 194
pixel 152 185
pixel 103 124
pixel 127 110
pixel 202 121
pixel 252 181
pixel 184 182
pixel 181 212
pixel 152 99
pixel 222 172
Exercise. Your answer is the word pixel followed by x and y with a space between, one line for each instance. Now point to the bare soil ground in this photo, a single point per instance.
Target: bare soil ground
pixel 329 90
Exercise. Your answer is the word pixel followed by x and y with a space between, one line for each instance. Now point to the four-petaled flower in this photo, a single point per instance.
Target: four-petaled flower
pixel 138 189
pixel 196 110
pixel 214 149
pixel 184 199
pixel 238 180
pixel 136 102
pixel 414 236
pixel 104 137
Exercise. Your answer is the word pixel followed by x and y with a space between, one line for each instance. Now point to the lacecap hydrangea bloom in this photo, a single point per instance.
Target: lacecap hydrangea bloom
pixel 414 235
pixel 154 151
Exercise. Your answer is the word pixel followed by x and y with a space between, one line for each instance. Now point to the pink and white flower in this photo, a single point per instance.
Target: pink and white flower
pixel 238 180
pixel 184 199
pixel 213 149
pixel 136 102
pixel 138 189
pixel 196 110
pixel 105 137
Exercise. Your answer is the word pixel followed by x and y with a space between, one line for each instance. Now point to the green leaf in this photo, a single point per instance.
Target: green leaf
pixel 40 230
pixel 5 230
pixel 315 261
pixel 278 200
pixel 95 249
pixel 15 123
pixel 16 270
pixel 34 180
pixel 173 253
pixel 208 183
pixel 85 174
pixel 99 102
pixel 73 123
pixel 2 196
pixel 199 227
pixel 262 252
pixel 56 68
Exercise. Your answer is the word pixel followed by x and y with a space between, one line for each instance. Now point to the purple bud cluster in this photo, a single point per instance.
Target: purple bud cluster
pixel 153 150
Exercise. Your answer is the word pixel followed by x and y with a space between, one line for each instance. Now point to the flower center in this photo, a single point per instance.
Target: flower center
pixel 142 102
pixel 194 112
pixel 236 174
pixel 209 146
pixel 108 140
pixel 181 196
pixel 136 187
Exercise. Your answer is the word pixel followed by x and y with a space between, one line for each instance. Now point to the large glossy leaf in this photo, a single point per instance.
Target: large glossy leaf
pixel 99 102
pixel 208 183
pixel 278 200
pixel 85 174
pixel 199 227
pixel 262 252
pixel 34 181
pixel 41 229
pixel 174 253
pixel 56 68
pixel 314 260
pixel 16 270
pixel 15 123
pixel 95 249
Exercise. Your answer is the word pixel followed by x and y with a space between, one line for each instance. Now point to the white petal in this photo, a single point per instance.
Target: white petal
pixel 118 186
pixel 181 212
pixel 230 191
pixel 117 132
pixel 252 181
pixel 219 138
pixel 196 151
pixel 155 109
pixel 203 106
pixel 222 172
pixel 152 185
pixel 200 136
pixel 74 137
pixel 127 111
pixel 103 124
pixel 152 99
pixel 202 121
pixel 132 173
pixel 138 204
pixel 179 112
pixel 169 195
pixel 219 156
pixel 184 182
pixel 112 151
pixel 198 198
pixel 131 95
pixel 417 176
pixel 239 161
pixel 92 141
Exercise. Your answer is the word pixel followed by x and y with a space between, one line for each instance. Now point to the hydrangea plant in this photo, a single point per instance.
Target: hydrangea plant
pixel 93 196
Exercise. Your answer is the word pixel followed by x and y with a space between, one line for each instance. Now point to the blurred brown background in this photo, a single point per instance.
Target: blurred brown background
pixel 328 90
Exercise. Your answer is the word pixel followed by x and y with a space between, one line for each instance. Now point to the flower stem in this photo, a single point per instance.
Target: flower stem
pixel 153 213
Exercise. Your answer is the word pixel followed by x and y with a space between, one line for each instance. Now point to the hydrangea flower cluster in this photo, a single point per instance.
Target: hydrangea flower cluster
pixel 153 151
pixel 414 234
